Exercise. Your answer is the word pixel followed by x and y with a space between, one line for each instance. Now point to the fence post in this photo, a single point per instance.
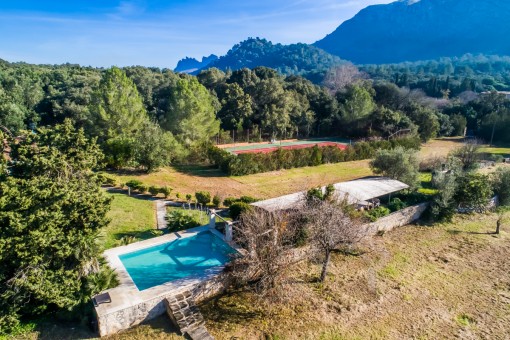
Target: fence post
pixel 212 219
pixel 228 232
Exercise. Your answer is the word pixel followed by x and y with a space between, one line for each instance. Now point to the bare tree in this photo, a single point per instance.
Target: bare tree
pixel 338 78
pixel 268 241
pixel 331 228
pixel 469 154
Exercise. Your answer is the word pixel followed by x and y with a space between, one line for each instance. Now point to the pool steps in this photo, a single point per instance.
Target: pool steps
pixel 184 314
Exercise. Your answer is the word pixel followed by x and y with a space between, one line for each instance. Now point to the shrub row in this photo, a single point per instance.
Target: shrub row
pixel 153 190
pixel 252 163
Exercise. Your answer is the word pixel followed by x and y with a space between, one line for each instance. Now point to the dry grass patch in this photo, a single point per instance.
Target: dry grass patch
pixel 417 282
pixel 190 179
pixel 440 147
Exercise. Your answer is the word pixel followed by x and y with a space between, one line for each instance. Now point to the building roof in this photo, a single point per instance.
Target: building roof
pixel 355 192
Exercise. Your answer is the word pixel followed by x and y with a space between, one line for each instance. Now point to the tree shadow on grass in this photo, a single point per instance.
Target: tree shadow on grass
pixel 127 172
pixel 231 307
pixel 200 170
pixel 458 232
pixel 138 235
pixel 161 324
pixel 50 329
pixel 145 197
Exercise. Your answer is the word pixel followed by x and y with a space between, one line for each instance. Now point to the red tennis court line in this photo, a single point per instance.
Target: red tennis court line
pixel 289 147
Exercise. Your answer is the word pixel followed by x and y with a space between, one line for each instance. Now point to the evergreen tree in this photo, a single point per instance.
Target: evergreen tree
pixel 400 164
pixel 117 115
pixel 117 108
pixel 155 148
pixel 190 113
pixel 51 211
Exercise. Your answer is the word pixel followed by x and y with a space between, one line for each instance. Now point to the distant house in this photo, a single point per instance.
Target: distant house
pixel 506 93
pixel 359 192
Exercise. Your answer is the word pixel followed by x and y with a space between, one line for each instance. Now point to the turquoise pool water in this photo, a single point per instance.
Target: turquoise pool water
pixel 175 260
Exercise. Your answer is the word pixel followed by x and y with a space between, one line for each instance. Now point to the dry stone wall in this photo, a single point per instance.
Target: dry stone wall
pixel 126 318
pixel 397 219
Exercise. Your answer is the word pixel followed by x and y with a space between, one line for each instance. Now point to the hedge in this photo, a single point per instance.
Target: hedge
pixel 252 163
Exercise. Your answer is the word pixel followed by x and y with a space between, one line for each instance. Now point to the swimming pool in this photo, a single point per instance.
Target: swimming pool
pixel 181 258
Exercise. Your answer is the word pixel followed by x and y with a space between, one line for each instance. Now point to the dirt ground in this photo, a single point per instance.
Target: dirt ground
pixel 446 282
pixel 440 147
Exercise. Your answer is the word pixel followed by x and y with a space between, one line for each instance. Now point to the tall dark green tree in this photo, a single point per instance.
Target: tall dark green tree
pixel 356 104
pixel 117 107
pixel 236 107
pixel 117 113
pixel 51 211
pixel 190 113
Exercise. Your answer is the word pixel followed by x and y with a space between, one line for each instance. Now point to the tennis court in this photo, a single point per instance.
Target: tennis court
pixel 268 147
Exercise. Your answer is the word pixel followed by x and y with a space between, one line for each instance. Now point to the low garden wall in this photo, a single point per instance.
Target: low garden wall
pixel 145 310
pixel 397 219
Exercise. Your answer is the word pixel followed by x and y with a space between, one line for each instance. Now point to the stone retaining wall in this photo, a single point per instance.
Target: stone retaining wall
pixel 397 219
pixel 112 323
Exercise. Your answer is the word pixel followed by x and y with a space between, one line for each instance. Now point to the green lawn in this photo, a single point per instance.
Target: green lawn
pixel 505 152
pixel 426 184
pixel 130 217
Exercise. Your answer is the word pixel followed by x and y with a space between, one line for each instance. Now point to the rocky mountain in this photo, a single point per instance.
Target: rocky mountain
pixel 410 30
pixel 299 59
pixel 189 65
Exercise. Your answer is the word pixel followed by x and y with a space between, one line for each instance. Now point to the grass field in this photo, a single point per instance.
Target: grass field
pixel 190 179
pixel 503 151
pixel 129 217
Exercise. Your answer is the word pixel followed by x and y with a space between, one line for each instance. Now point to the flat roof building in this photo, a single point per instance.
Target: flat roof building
pixel 359 192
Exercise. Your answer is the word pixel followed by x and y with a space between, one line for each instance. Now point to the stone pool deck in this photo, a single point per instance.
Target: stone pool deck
pixel 130 306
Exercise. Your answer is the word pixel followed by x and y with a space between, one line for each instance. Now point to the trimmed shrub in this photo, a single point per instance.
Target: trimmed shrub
pixel 247 199
pixel 166 191
pixel 252 163
pixel 237 209
pixel 473 192
pixel 203 197
pixel 154 190
pixel 501 185
pixel 134 184
pixel 216 201
pixel 229 201
pixel 107 180
pixel 142 188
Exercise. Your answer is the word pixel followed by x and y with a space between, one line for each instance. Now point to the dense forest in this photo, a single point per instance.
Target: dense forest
pixel 150 117
pixel 447 77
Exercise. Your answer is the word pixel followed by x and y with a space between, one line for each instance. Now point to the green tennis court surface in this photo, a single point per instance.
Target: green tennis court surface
pixel 268 145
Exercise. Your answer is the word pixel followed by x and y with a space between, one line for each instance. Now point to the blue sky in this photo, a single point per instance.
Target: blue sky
pixel 157 32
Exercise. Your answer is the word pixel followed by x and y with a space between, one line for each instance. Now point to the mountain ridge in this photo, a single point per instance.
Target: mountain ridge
pixel 188 65
pixel 298 59
pixel 410 30
pixel 401 31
